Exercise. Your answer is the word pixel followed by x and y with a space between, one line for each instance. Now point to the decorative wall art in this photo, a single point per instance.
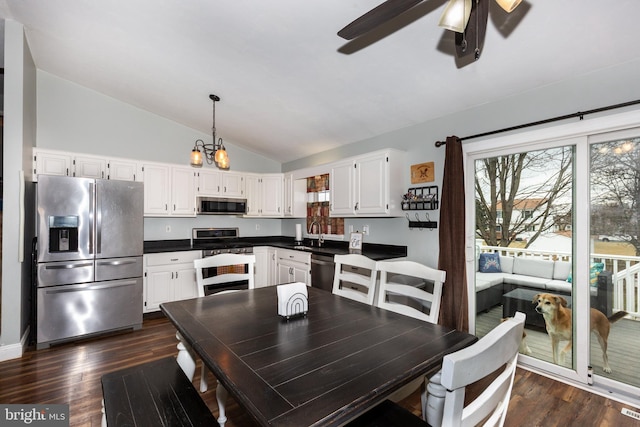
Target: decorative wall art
pixel 422 172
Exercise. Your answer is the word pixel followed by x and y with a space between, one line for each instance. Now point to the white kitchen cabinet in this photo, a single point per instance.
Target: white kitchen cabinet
pixel 265 267
pixel 169 276
pixel 293 266
pixel 264 195
pixel 51 163
pixel 123 170
pixel 294 197
pixel 369 185
pixel 168 191
pixel 209 183
pixel 222 184
pixel 89 167
pixel 183 191
pixel 233 184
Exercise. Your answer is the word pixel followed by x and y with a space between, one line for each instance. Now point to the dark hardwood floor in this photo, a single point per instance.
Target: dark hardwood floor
pixel 70 374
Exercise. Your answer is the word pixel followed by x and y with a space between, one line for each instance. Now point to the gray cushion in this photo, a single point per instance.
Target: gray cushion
pixel 561 270
pixel 533 267
pixel 506 263
pixel 559 286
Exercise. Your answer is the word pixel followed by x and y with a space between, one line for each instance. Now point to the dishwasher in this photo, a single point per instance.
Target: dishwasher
pixel 322 270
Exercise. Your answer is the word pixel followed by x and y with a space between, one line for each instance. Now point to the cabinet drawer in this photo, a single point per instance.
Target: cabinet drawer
pixel 294 256
pixel 168 258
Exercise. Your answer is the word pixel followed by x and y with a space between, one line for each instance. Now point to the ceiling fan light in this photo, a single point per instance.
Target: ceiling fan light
pixel 508 5
pixel 196 158
pixel 456 15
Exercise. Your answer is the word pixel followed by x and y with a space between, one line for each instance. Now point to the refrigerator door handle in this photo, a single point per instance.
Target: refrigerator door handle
pixel 64 289
pixel 65 266
pixel 92 211
pixel 98 220
pixel 118 262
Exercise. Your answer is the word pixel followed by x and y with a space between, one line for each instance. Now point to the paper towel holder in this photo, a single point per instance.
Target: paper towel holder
pixel 298 238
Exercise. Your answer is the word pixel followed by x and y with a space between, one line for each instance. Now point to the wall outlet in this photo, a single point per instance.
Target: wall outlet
pixel 365 230
pixel 350 228
pixel 167 229
pixel 257 226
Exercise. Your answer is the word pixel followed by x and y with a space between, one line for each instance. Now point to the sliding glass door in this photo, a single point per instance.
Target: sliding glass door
pixel 553 230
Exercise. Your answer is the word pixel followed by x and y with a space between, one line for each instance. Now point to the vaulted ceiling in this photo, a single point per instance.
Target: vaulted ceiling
pixel 290 87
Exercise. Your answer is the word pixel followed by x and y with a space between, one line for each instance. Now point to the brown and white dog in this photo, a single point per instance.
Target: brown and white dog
pixel 557 318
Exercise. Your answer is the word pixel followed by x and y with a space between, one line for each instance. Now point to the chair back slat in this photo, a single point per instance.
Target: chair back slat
pixel 408 299
pixel 227 273
pixel 344 276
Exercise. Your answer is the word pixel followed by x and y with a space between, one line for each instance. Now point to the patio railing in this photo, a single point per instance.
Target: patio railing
pixel 625 272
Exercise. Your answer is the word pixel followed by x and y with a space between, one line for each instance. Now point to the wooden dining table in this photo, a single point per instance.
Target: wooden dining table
pixel 322 369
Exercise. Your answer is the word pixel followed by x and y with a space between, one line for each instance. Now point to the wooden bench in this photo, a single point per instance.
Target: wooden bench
pixel 153 394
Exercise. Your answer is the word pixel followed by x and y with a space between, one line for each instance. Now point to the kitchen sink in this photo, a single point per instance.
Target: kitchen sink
pixel 303 248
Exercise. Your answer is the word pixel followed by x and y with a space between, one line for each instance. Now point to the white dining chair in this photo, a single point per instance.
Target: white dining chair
pixel 411 289
pixel 229 268
pixel 397 293
pixel 493 357
pixel 355 277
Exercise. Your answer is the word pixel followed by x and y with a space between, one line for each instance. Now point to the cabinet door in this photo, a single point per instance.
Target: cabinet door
pixel 51 163
pixel 271 195
pixel 254 195
pixel 185 285
pixel 301 274
pixel 341 184
pixel 261 266
pixel 371 185
pixel 233 184
pixel 285 273
pixel 209 183
pixel 158 287
pixel 90 167
pixel 156 190
pixel 183 197
pixel 272 270
pixel 123 170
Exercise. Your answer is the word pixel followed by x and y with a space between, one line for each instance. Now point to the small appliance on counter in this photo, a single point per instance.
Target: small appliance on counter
pixel 88 257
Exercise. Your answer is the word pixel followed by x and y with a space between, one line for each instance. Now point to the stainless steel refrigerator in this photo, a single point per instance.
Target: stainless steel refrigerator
pixel 89 257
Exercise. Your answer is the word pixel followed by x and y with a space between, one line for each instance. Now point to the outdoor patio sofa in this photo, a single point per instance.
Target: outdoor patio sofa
pixel 497 275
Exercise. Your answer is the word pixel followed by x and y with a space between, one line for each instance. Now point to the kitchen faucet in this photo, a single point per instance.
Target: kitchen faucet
pixel 320 238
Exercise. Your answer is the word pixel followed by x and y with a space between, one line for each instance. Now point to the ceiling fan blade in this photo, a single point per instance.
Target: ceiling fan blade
pixel 472 40
pixel 375 17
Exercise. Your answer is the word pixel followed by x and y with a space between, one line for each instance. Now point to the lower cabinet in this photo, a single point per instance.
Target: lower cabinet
pixel 169 276
pixel 265 268
pixel 293 266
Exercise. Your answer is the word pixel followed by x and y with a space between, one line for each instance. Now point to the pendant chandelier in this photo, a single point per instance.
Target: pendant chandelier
pixel 214 152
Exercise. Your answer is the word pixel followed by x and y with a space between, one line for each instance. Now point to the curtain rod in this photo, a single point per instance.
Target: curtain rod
pixel 580 114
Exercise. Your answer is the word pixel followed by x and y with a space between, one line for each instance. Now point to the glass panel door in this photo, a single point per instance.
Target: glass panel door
pixel 524 246
pixel 615 256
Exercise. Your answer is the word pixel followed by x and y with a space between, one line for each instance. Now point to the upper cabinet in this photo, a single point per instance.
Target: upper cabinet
pixel 221 184
pixel 168 191
pixel 51 162
pixel 264 195
pixel 294 200
pixel 368 185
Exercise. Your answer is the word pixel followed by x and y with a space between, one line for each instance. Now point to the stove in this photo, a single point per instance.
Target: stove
pixel 214 241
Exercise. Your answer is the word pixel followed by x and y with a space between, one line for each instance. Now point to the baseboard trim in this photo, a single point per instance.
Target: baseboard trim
pixel 14 351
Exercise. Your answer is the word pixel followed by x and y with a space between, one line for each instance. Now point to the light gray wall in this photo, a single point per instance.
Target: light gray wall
pixel 18 138
pixel 613 85
pixel 74 118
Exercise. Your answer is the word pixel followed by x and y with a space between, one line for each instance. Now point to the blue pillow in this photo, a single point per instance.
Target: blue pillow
pixel 490 263
pixel 594 271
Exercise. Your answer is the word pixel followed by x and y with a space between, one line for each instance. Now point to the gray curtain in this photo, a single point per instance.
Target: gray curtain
pixel 455 301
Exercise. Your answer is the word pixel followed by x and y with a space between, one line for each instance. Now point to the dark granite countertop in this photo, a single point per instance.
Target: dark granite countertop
pixel 375 251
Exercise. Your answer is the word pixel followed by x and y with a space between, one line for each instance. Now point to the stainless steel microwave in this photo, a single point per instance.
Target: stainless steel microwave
pixel 221 206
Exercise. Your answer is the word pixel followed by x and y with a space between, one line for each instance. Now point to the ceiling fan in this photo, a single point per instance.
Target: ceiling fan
pixel 468 18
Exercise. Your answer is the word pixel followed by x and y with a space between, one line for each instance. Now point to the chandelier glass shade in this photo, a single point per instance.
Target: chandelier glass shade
pixel 214 152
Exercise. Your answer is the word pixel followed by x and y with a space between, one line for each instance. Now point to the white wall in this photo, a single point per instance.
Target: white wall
pixel 19 137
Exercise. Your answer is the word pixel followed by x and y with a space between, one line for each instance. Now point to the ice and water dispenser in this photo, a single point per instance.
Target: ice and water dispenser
pixel 63 234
